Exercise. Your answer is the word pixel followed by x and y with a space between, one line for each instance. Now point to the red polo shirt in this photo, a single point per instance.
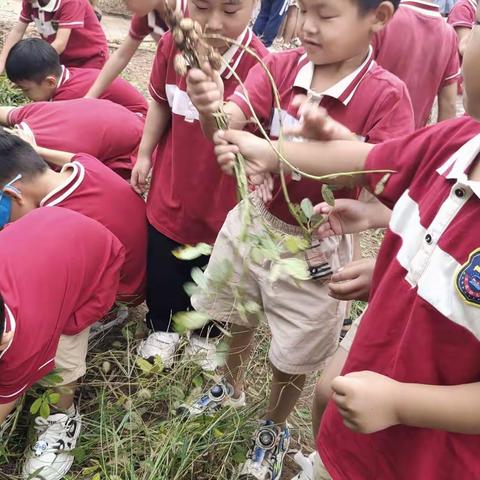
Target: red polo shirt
pixel 152 23
pixel 422 322
pixel 97 192
pixel 87 45
pixel 59 274
pixel 422 50
pixel 463 14
pixel 370 101
pixel 103 129
pixel 75 83
pixel 189 197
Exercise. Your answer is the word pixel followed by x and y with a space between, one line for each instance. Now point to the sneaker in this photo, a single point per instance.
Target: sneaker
pixel 306 464
pixel 265 457
pixel 50 457
pixel 161 344
pixel 219 396
pixel 202 351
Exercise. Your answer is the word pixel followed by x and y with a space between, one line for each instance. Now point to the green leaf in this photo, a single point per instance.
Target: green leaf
pixel 307 208
pixel 53 398
pixel 217 433
pixel 327 195
pixel 197 381
pixel 295 244
pixel 295 267
pixel 193 320
pixel 45 409
pixel 198 276
pixel 35 407
pixel 96 477
pixel 191 252
pixel 144 365
pixel 158 364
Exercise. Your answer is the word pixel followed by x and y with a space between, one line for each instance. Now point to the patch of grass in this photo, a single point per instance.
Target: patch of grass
pixel 9 95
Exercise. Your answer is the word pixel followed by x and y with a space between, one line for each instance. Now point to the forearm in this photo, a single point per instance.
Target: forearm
pixel 54 157
pixel 15 35
pixel 450 408
pixel 328 158
pixel 61 40
pixel 378 214
pixel 114 67
pixel 5 410
pixel 472 65
pixel 156 123
pixel 447 102
pixel 4 111
pixel 236 120
pixel 463 38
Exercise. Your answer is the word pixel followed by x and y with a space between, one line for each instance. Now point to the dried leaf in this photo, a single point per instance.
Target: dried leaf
pixel 327 195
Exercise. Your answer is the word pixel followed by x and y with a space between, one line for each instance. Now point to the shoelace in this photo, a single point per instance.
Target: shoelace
pixel 48 439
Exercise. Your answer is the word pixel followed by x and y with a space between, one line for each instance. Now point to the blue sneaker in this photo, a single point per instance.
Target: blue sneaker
pixel 265 458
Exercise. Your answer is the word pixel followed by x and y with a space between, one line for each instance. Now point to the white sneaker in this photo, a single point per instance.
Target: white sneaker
pixel 49 458
pixel 162 344
pixel 203 351
pixel 306 463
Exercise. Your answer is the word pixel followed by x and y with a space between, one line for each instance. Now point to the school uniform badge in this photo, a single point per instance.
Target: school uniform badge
pixel 467 281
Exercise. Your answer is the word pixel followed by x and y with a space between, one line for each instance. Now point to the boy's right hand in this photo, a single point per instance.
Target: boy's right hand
pixel 205 89
pixel 353 281
pixel 259 155
pixel 140 174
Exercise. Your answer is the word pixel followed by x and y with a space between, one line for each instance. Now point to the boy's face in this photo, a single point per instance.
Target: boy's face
pixel 141 7
pixel 38 92
pixel 228 18
pixel 333 31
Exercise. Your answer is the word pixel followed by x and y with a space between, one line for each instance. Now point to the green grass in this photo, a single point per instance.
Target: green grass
pixel 9 95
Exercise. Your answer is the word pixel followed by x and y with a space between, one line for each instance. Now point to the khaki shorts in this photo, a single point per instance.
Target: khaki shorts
pixel 304 321
pixel 70 360
pixel 319 470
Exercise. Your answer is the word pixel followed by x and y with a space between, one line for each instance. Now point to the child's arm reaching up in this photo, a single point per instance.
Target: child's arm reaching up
pixel 369 402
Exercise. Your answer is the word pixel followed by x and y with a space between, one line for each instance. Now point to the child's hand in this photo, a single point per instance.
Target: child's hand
pixel 25 135
pixel 354 281
pixel 316 124
pixel 259 155
pixel 140 174
pixel 205 89
pixel 366 401
pixel 347 216
pixel 264 186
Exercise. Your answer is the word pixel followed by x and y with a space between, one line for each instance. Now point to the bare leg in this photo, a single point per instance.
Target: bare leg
pixel 67 394
pixel 239 352
pixel 285 391
pixel 323 392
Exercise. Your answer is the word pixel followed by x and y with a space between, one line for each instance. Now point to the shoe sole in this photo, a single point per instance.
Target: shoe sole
pixel 62 472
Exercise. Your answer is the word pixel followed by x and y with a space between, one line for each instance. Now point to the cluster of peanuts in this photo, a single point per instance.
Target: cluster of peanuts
pixel 187 35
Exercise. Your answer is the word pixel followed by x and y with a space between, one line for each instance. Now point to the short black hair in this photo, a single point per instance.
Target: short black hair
pixel 32 59
pixel 367 5
pixel 18 157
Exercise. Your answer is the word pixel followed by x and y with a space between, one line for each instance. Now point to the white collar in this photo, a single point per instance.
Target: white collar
pixel 64 77
pixel 459 163
pixel 305 76
pixel 424 7
pixel 243 39
pixel 51 6
pixel 78 174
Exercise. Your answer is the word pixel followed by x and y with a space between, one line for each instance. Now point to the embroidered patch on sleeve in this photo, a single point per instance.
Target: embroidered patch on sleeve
pixel 467 281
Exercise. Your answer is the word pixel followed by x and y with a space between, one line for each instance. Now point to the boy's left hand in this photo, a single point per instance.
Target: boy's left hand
pixel 366 401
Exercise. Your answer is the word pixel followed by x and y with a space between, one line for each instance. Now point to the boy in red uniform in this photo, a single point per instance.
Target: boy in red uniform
pixel 337 68
pixel 71 26
pixel 421 49
pixel 49 298
pixel 462 18
pixel 407 395
pixel 87 186
pixel 34 66
pixel 189 198
pixel 101 128
pixel 147 20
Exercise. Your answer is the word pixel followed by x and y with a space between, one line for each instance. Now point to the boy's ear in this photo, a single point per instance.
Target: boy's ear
pixel 382 15
pixel 15 194
pixel 5 339
pixel 51 81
